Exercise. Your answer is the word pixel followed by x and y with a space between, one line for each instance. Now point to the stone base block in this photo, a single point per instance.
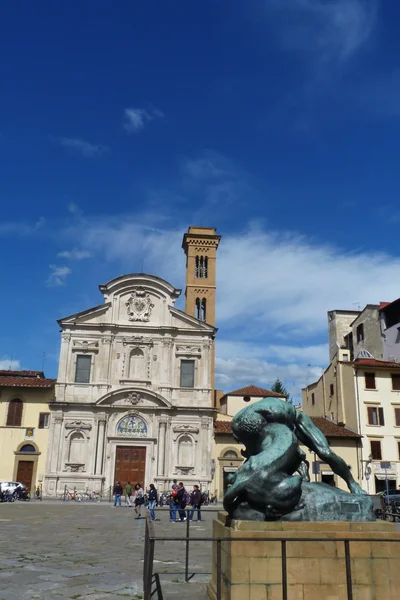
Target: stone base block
pixel 316 570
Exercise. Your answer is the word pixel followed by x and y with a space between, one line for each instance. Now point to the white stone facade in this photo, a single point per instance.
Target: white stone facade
pixel 132 403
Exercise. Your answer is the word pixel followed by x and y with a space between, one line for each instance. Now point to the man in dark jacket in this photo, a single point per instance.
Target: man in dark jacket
pixel 195 501
pixel 117 493
pixel 180 502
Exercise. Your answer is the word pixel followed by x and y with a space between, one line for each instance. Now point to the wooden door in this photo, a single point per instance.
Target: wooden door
pixel 25 472
pixel 130 465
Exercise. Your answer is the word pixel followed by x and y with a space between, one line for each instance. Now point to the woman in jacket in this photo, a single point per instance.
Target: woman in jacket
pixel 139 500
pixel 152 501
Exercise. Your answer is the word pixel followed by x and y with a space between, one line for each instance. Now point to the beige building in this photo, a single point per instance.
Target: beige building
pixel 24 425
pixel 364 395
pixel 134 394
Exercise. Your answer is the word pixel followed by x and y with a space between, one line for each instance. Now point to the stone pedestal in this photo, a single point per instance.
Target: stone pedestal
pixel 316 570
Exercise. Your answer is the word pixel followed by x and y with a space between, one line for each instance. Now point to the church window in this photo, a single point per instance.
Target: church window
pixel 187 374
pixel 136 364
pixel 203 315
pixel 205 267
pixel 14 415
pixel 201 267
pixel 132 426
pixel 198 309
pixel 76 447
pixel 196 271
pixel 230 454
pixel 83 364
pixel 28 448
pixel 185 451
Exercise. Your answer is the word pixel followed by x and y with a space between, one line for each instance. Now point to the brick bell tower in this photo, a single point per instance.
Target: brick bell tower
pixel 200 245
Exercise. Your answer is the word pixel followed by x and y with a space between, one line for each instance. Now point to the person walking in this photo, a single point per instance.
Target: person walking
pixel 172 503
pixel 139 500
pixel 153 497
pixel 180 502
pixel 117 493
pixel 128 493
pixel 195 502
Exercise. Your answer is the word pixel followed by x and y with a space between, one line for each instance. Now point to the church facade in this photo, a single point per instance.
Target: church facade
pixel 134 394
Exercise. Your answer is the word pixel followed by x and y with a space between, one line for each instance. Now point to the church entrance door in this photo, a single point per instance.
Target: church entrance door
pixel 25 472
pixel 130 465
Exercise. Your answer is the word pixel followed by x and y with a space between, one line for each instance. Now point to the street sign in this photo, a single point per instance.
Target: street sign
pixel 386 465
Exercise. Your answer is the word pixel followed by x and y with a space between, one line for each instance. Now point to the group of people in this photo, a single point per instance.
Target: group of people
pixel 179 500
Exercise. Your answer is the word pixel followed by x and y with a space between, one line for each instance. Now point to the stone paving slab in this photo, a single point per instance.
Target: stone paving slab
pixel 54 550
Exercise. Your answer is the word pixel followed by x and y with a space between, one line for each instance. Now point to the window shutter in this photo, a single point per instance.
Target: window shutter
pixel 376 450
pixel 381 416
pixel 397 416
pixel 187 373
pixel 370 381
pixel 83 363
pixel 396 382
pixel 370 415
pixel 14 415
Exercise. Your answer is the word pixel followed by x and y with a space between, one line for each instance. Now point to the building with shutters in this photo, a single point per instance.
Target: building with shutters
pixel 24 425
pixel 134 395
pixel 363 395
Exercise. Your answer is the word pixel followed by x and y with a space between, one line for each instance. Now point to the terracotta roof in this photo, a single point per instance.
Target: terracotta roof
pixel 383 305
pixel 333 430
pixel 328 428
pixel 376 364
pixel 34 379
pixel 222 427
pixel 253 390
pixel 4 373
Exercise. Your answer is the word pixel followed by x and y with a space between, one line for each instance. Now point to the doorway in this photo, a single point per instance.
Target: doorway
pixel 328 478
pixel 130 465
pixel 25 472
pixel 380 484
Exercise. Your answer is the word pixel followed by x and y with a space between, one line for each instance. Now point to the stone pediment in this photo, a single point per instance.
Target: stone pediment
pixel 134 398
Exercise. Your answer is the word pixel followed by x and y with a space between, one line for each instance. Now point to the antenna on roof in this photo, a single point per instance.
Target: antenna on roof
pixel 11 360
pixel 43 360
pixel 357 304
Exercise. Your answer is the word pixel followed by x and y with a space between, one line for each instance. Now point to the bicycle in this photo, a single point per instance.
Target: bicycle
pixel 68 495
pixel 91 496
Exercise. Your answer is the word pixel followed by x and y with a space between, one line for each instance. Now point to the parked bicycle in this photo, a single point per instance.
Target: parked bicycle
pixel 91 496
pixel 71 495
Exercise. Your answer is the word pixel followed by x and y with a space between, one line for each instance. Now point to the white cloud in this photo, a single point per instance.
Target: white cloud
pixel 136 118
pixel 57 276
pixel 329 30
pixel 210 165
pixel 82 147
pixel 9 364
pixel 74 254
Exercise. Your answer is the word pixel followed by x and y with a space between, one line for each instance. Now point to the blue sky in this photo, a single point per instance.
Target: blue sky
pixel 276 121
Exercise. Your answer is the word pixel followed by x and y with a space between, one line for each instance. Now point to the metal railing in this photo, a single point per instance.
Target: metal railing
pixel 151 539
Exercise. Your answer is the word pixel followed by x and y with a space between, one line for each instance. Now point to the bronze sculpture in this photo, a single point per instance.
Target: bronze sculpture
pixel 266 487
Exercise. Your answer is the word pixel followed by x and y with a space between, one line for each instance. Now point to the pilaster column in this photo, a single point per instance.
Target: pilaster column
pixel 56 444
pixel 161 446
pixel 101 428
pixel 205 452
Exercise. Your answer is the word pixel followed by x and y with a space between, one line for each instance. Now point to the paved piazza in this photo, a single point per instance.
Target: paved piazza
pixel 52 549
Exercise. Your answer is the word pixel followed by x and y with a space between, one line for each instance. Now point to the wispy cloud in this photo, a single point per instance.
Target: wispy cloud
pixel 82 147
pixel 74 254
pixel 328 30
pixel 9 364
pixel 74 209
pixel 21 228
pixel 57 276
pixel 136 118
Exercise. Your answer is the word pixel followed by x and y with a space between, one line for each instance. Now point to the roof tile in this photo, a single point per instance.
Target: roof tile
pixel 253 390
pixel 328 428
pixel 32 382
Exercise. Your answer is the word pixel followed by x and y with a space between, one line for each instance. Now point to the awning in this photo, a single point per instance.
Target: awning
pixel 327 472
pixel 381 476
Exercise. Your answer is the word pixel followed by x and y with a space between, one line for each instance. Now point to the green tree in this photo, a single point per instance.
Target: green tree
pixel 279 388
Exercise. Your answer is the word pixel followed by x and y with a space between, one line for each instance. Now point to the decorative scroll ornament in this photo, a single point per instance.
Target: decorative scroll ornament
pixel 132 427
pixel 133 398
pixel 139 305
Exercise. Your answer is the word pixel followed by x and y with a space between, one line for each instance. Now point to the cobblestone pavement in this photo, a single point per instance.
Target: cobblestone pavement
pixel 92 551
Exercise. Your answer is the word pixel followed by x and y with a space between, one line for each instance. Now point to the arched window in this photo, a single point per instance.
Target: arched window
pixel 136 364
pixel 198 309
pixel 197 267
pixel 201 267
pixel 14 415
pixel 27 448
pixel 76 448
pixel 205 267
pixel 185 451
pixel 230 454
pixel 203 313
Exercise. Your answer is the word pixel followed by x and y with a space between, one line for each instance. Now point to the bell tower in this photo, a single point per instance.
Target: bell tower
pixel 200 245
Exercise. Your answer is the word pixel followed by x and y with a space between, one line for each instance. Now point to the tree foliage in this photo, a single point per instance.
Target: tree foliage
pixel 279 388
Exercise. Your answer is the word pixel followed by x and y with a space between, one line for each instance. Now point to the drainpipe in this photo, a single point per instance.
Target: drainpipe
pixel 359 422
